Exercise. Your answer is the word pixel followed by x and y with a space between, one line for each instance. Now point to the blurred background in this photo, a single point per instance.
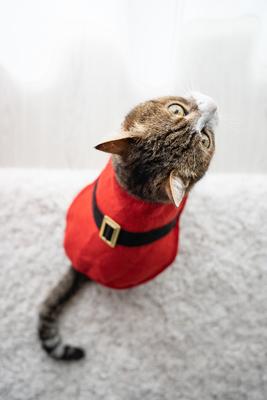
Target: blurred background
pixel 71 69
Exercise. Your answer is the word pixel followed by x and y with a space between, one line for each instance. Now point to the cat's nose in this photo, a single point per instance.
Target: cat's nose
pixel 212 107
pixel 205 103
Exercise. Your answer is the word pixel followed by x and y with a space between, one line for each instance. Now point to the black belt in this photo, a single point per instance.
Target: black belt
pixel 112 233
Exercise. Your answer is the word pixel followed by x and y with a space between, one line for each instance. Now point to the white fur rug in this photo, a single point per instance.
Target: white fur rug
pixel 197 332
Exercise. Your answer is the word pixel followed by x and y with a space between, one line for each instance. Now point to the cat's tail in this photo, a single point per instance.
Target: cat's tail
pixel 49 314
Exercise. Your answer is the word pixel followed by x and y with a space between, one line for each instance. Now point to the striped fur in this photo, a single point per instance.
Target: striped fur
pixel 49 314
pixel 160 142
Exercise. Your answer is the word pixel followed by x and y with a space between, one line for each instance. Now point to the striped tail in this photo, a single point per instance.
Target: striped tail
pixel 49 314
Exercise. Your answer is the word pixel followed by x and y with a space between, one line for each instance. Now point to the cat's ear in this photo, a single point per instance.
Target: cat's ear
pixel 176 189
pixel 117 145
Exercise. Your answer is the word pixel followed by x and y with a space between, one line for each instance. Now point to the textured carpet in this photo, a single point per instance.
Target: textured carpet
pixel 197 332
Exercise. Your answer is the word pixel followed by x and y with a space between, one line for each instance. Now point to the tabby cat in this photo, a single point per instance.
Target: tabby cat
pixel 164 148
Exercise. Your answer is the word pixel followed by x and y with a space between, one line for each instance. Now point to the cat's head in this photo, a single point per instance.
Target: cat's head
pixel 165 146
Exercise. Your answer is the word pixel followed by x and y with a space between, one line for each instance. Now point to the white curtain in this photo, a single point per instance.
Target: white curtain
pixel 70 70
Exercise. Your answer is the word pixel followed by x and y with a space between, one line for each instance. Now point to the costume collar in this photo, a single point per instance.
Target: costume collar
pixel 128 220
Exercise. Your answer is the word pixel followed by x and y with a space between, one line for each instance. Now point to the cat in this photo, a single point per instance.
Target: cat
pixel 164 148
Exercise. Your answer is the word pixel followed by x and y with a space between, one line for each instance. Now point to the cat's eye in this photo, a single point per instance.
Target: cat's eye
pixel 177 110
pixel 205 139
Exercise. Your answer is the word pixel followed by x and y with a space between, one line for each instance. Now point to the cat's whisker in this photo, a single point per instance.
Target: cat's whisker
pixel 194 156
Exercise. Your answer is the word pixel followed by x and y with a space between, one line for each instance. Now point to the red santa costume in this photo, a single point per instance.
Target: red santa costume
pixel 116 239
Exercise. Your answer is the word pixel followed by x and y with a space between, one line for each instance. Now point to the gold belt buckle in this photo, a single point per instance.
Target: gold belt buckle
pixel 107 221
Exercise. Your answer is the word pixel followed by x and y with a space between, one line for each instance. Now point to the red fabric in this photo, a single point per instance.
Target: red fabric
pixel 120 267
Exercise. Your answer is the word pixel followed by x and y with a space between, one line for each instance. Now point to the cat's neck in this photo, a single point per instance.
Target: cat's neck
pixel 133 180
pixel 123 175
